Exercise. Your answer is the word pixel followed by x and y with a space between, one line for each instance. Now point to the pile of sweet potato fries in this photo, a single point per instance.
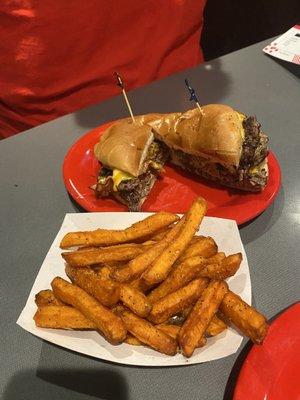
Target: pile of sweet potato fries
pixel 155 283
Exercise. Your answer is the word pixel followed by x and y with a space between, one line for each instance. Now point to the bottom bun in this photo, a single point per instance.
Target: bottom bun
pixel 237 179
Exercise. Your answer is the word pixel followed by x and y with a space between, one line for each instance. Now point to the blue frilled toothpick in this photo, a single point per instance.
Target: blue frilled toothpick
pixel 193 96
pixel 121 85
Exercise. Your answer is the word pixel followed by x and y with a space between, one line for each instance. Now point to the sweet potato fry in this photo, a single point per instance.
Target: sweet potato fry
pixel 157 237
pixel 47 298
pixel 216 259
pixel 200 246
pixel 177 301
pixel 171 330
pixel 139 264
pixel 181 275
pixel 105 320
pixel 201 315
pixel 106 291
pixel 122 252
pixel 215 327
pixel 61 317
pixel 105 271
pixel 118 308
pixel 202 342
pixel 149 334
pixel 106 237
pixel 135 300
pixel 244 317
pixel 163 263
pixel 130 339
pixel 223 270
pixel 139 284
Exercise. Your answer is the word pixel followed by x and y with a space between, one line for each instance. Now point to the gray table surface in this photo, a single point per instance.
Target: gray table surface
pixel 34 201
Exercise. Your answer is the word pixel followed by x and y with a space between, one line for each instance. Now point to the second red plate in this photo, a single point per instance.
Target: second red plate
pixel 271 371
pixel 173 193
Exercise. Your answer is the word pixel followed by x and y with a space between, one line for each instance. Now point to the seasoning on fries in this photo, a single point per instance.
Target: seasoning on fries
pixel 85 258
pixel 106 291
pixel 149 334
pixel 106 237
pixel 181 275
pixel 246 318
pixel 47 298
pixel 223 269
pixel 135 300
pixel 200 246
pixel 177 301
pixel 139 264
pixel 105 320
pixel 132 340
pixel 215 327
pixel 200 317
pixel 164 263
pixel 62 317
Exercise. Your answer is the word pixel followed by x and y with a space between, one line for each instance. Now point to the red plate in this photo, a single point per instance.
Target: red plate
pixel 173 193
pixel 271 371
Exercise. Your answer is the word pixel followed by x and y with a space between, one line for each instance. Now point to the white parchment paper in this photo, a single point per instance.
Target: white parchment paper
pixel 227 237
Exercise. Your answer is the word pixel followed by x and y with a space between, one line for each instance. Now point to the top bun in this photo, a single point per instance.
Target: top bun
pixel 217 135
pixel 124 146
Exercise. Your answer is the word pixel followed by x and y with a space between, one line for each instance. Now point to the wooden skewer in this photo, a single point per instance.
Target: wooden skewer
pixel 200 108
pixel 121 85
pixel 193 96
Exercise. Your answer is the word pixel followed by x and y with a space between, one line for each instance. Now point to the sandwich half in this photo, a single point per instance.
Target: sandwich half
pixel 131 161
pixel 222 145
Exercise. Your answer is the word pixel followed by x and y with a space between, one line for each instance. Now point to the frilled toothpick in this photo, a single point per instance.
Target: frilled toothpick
pixel 193 96
pixel 121 85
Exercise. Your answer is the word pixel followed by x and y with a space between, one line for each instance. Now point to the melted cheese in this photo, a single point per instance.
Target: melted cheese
pixel 241 118
pixel 119 176
pixel 258 168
